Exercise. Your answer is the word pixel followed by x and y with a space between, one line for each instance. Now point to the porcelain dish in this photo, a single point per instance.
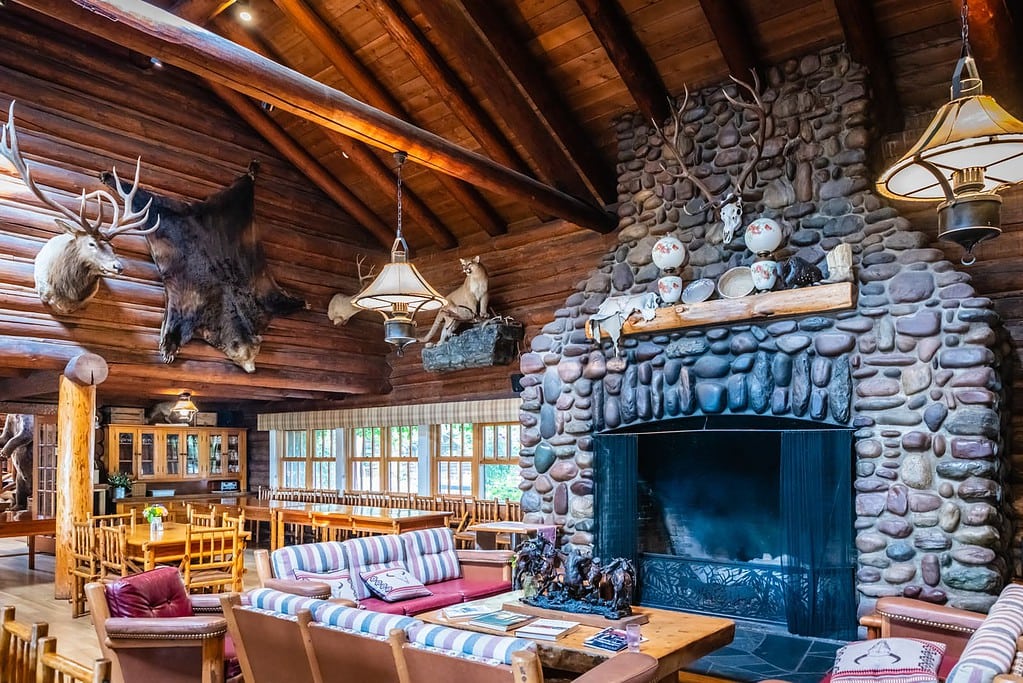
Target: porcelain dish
pixel 697 291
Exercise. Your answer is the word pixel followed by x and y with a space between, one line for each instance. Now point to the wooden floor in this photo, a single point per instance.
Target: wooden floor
pixel 31 592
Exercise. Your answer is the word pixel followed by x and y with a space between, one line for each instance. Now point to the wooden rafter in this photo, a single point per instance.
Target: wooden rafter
pixel 445 81
pixel 867 47
pixel 733 37
pixel 34 384
pixel 148 29
pixel 994 42
pixel 372 91
pixel 629 57
pixel 361 155
pixel 503 55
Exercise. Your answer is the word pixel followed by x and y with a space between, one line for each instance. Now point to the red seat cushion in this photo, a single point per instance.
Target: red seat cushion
pixel 156 593
pixel 473 590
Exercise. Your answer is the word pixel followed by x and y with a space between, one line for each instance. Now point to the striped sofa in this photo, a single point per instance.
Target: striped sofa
pixel 451 575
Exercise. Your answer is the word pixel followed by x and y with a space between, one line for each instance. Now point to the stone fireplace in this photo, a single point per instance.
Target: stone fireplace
pixel 911 378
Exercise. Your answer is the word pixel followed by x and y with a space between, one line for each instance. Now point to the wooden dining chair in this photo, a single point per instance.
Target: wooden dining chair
pixel 124 518
pixel 111 552
pixel 212 561
pixel 203 516
pixel 19 643
pixel 53 667
pixel 84 564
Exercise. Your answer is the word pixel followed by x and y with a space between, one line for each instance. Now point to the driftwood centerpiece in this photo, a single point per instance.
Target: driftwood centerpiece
pixel 767 306
pixel 482 345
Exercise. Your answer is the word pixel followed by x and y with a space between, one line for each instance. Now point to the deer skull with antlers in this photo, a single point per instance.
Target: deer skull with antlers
pixel 340 308
pixel 69 266
pixel 729 203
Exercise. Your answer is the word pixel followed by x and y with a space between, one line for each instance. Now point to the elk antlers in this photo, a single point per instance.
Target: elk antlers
pixel 78 222
pixel 734 194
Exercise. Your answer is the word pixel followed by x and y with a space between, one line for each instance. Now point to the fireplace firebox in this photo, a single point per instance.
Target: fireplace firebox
pixel 741 516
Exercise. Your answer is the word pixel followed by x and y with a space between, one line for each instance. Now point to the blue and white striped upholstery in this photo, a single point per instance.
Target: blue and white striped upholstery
pixel 430 555
pixel 310 557
pixel 990 650
pixel 369 553
pixel 467 644
pixel 361 620
pixel 271 600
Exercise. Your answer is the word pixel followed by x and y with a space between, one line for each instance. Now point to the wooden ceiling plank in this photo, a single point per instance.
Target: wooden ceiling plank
pixel 733 37
pixel 399 25
pixel 372 91
pixel 629 57
pixel 33 384
pixel 867 47
pixel 529 78
pixel 200 11
pixel 304 162
pixel 994 42
pixel 360 154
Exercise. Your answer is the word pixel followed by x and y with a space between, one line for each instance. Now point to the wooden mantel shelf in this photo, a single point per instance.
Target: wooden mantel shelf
pixel 767 306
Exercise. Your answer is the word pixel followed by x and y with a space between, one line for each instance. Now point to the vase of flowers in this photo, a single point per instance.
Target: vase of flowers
pixel 154 514
pixel 120 482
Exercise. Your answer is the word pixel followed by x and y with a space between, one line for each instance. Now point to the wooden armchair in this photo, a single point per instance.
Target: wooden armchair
pixel 19 643
pixel 53 667
pixel 213 560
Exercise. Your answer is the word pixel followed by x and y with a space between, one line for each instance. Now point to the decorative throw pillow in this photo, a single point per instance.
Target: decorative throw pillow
pixel 340 582
pixel 888 660
pixel 394 584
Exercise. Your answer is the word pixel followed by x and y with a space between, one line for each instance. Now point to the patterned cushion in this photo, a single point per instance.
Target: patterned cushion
pixel 394 584
pixel 361 620
pixel 888 660
pixel 430 555
pixel 340 582
pixel 281 602
pixel 310 557
pixel 468 645
pixel 990 650
pixel 372 552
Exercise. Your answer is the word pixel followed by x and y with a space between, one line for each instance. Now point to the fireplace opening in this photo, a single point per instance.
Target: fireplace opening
pixel 741 516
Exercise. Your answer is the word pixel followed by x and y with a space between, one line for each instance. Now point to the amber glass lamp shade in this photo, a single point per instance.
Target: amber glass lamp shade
pixel 184 409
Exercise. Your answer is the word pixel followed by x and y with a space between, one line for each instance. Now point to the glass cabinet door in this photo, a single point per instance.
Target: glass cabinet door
pixel 172 453
pixel 192 446
pixel 233 455
pixel 125 444
pixel 216 462
pixel 147 453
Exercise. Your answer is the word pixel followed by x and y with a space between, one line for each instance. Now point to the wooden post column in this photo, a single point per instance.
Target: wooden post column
pixel 76 440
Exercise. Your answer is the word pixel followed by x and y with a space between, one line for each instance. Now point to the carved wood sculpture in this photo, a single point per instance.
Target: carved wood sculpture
pixel 16 444
pixel 340 308
pixel 214 271
pixel 69 266
pixel 730 202
pixel 467 303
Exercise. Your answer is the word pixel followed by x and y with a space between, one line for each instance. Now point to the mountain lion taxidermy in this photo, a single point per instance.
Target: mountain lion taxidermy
pixel 466 304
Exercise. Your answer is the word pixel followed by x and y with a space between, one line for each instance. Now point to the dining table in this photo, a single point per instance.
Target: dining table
pixel 149 548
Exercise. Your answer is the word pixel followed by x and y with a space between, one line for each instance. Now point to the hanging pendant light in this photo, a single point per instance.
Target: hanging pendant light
pixel 399 291
pixel 184 410
pixel 971 150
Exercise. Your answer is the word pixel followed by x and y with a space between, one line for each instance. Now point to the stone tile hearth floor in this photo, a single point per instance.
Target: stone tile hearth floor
pixel 760 652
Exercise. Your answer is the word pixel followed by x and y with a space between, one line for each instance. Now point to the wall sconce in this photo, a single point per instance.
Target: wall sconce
pixel 399 291
pixel 184 410
pixel 971 150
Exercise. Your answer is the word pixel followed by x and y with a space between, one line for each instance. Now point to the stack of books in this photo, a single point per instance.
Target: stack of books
pixel 547 629
pixel 502 620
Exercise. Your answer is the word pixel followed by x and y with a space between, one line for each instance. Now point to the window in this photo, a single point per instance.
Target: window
pixel 365 456
pixel 499 460
pixel 454 459
pixel 308 460
pixel 403 460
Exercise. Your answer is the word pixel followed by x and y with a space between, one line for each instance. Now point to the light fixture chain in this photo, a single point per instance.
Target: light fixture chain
pixel 964 13
pixel 400 157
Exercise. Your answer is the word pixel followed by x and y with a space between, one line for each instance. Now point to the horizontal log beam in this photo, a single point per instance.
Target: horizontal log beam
pixel 34 384
pixel 148 29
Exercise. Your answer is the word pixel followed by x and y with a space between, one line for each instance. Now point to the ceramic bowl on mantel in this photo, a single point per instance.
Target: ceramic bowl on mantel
pixel 736 282
pixel 697 291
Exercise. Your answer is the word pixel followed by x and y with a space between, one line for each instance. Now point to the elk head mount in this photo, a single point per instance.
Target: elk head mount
pixel 340 309
pixel 217 282
pixel 69 266
pixel 681 145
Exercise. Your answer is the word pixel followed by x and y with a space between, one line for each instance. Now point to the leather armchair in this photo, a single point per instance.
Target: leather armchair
pixel 147 627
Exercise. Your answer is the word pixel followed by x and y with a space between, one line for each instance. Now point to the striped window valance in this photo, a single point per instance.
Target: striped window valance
pixel 494 410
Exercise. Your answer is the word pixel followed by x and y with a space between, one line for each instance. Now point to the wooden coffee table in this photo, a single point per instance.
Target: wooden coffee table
pixel 674 638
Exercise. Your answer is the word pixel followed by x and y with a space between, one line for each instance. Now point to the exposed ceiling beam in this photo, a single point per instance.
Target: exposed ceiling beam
pixel 628 56
pixel 733 37
pixel 360 154
pixel 445 81
pixel 200 12
pixel 373 92
pixel 515 63
pixel 994 42
pixel 148 29
pixel 34 384
pixel 868 48
pixel 305 162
